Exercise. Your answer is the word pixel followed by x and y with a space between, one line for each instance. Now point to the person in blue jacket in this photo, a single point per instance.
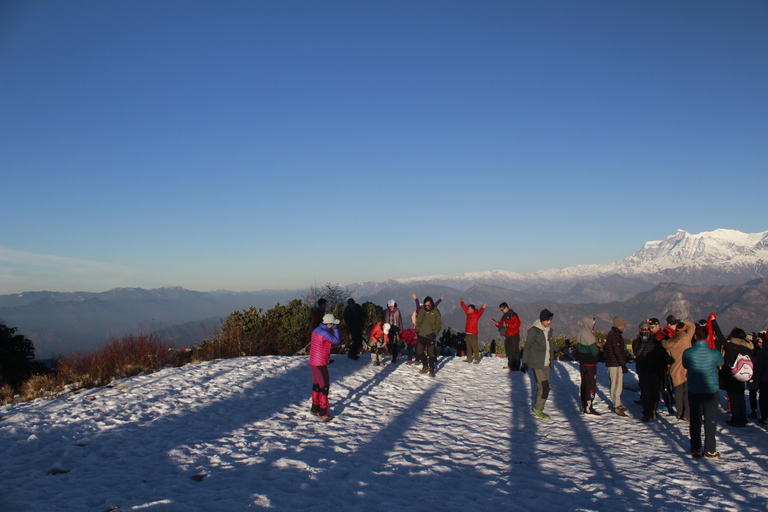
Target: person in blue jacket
pixel 703 392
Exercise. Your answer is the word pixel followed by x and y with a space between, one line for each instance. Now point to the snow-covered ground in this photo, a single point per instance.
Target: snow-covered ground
pixel 237 434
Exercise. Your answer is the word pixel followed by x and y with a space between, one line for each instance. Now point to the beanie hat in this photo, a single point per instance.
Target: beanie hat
pixel 618 322
pixel 645 325
pixel 671 320
pixel 546 315
pixel 653 321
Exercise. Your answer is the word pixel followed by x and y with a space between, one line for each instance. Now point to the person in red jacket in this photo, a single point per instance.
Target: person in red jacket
pixel 509 327
pixel 378 339
pixel 473 316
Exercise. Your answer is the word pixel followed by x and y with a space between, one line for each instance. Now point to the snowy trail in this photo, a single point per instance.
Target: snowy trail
pixel 237 435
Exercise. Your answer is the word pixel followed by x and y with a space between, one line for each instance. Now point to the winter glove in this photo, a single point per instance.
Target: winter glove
pixel 624 368
pixel 524 368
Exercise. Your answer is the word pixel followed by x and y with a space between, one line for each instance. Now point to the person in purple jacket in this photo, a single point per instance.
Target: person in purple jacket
pixel 323 337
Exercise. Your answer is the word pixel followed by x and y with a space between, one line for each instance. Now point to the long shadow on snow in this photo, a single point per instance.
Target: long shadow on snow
pixel 153 443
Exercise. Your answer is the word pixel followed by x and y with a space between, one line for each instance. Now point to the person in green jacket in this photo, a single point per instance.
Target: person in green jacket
pixel 429 322
pixel 588 350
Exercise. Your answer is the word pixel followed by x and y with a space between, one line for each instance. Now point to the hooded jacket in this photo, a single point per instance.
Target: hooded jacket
pixel 586 343
pixel 539 344
pixel 650 356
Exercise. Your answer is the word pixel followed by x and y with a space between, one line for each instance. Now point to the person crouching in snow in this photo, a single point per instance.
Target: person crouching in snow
pixel 324 335
pixel 378 341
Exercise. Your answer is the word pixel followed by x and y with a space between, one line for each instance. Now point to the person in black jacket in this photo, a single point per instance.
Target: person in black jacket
pixel 650 363
pixel 735 346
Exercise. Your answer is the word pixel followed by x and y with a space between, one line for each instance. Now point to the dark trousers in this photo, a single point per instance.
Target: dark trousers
pixel 753 399
pixel 764 399
pixel 425 352
pixel 738 407
pixel 666 392
pixel 650 386
pixel 681 400
pixel 588 384
pixel 703 405
pixel 357 342
pixel 394 342
pixel 512 348
pixel 411 351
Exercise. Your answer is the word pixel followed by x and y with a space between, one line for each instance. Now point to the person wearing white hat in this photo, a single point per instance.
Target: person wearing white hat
pixel 323 337
pixel 378 340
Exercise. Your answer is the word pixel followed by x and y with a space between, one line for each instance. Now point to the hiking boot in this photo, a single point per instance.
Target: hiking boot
pixel 409 362
pixel 327 417
pixel 424 369
pixel 593 412
pixel 646 419
pixel 477 361
pixel 467 360
pixel 540 415
pixel 432 373
pixel 620 412
pixel 697 454
pixel 352 356
pixel 622 408
pixel 712 455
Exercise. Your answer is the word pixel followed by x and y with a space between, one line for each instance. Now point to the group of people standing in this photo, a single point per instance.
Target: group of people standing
pixel 686 364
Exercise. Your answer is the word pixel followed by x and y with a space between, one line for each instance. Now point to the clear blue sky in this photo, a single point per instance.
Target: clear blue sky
pixel 246 145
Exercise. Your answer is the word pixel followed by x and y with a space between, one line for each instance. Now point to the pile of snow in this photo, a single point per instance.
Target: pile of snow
pixel 237 435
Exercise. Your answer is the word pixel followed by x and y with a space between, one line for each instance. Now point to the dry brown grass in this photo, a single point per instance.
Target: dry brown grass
pixel 6 394
pixel 39 386
pixel 119 358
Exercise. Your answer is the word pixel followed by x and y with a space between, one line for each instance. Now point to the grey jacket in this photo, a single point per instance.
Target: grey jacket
pixel 536 347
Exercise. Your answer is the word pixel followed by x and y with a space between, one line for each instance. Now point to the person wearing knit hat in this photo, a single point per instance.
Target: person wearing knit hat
pixel 616 363
pixel 539 355
pixel 650 363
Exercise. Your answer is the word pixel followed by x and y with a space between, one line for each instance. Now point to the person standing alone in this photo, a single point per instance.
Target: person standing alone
pixel 473 316
pixel 539 354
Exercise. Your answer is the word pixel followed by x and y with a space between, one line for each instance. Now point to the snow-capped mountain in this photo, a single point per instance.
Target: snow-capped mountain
pixel 719 257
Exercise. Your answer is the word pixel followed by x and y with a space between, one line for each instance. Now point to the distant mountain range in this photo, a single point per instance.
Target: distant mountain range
pixel 722 257
pixel 686 275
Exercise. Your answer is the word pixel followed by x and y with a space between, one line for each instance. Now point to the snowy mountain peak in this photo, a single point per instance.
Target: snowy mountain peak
pixel 722 256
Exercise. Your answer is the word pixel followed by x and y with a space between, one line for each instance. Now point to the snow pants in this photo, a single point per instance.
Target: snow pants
pixel 320 387
pixel 650 387
pixel 588 384
pixel 512 348
pixel 541 376
pixel 425 352
pixel 703 404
